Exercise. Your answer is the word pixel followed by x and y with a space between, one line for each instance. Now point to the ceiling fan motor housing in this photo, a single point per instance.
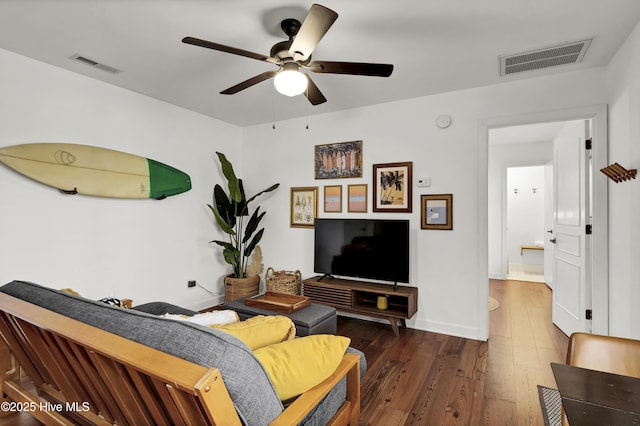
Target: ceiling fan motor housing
pixel 280 50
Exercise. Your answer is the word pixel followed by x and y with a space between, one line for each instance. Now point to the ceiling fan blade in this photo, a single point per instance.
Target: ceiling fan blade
pixel 228 49
pixel 314 94
pixel 250 82
pixel 315 26
pixel 355 68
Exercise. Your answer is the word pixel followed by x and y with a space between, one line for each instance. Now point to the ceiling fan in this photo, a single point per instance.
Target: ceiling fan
pixel 295 54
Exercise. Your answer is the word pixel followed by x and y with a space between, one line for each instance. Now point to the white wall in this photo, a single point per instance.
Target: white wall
pixel 623 85
pixel 142 249
pixel 525 214
pixel 445 265
pixel 500 157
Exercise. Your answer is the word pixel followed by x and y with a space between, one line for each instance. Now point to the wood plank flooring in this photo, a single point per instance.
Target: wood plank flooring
pixel 423 378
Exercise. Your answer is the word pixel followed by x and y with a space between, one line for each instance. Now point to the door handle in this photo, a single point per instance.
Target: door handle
pixel 550 231
pixel 552 240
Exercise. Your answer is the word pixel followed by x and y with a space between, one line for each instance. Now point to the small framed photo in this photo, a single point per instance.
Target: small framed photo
pixel 338 160
pixel 357 198
pixel 333 199
pixel 436 211
pixel 304 206
pixel 392 187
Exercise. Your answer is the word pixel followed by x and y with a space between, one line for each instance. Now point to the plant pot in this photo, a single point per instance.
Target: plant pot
pixel 235 288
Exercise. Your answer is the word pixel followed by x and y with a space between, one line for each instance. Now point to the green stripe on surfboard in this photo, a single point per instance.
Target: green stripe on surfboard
pixel 165 180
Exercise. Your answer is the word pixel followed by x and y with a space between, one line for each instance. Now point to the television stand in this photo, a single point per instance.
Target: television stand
pixel 359 297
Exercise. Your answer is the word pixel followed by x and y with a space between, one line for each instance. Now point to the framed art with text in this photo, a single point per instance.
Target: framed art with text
pixel 436 211
pixel 357 198
pixel 338 160
pixel 304 206
pixel 392 189
pixel 333 198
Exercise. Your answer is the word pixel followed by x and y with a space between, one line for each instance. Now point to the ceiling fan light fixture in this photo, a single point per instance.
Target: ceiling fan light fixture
pixel 290 81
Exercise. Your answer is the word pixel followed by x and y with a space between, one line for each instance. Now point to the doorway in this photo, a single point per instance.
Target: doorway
pixel 598 267
pixel 526 193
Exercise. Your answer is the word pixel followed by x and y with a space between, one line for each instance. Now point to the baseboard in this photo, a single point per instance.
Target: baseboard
pixel 449 329
pixel 526 268
pixel 496 276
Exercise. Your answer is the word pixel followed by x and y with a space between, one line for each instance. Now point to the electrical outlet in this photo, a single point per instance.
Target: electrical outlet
pixel 191 283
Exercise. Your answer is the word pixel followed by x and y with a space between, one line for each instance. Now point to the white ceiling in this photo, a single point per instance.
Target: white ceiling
pixel 435 45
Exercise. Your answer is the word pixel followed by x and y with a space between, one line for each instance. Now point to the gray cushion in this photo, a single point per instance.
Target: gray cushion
pixel 246 380
pixel 308 317
pixel 161 308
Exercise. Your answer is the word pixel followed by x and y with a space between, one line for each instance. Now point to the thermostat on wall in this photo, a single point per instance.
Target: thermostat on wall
pixel 443 121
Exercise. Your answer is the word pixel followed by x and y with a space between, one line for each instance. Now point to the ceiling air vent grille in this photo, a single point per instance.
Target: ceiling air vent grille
pixel 566 53
pixel 94 64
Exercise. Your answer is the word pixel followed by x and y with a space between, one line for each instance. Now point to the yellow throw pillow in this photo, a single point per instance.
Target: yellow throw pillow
pixel 261 330
pixel 298 365
pixel 70 291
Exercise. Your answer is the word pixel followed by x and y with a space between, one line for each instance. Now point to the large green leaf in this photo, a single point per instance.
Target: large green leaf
pixel 253 224
pixel 231 257
pixel 227 171
pixel 224 244
pixel 230 253
pixel 221 222
pixel 241 207
pixel 224 206
pixel 271 188
pixel 249 249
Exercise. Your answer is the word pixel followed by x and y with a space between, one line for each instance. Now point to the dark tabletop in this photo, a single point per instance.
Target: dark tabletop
pixel 594 397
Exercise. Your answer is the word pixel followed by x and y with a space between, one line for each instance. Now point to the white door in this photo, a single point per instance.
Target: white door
pixel 571 281
pixel 549 217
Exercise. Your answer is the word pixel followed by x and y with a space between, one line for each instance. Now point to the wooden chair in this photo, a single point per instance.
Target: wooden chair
pixel 603 353
pixel 90 376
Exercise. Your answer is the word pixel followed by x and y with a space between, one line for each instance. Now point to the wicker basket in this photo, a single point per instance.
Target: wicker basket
pixel 235 288
pixel 283 281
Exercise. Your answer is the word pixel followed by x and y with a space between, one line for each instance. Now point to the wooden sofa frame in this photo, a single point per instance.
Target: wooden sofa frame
pixel 86 375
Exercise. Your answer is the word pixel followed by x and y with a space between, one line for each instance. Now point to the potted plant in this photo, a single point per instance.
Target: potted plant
pixel 232 216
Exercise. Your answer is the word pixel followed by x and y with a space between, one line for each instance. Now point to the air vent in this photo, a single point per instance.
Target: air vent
pixel 94 64
pixel 563 54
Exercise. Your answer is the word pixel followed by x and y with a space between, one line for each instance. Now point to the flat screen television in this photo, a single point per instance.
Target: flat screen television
pixel 363 248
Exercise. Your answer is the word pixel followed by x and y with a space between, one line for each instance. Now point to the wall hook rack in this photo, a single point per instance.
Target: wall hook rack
pixel 618 174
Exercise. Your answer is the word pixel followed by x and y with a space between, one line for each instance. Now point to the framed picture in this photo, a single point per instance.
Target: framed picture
pixel 357 198
pixel 436 211
pixel 333 199
pixel 392 187
pixel 304 206
pixel 338 160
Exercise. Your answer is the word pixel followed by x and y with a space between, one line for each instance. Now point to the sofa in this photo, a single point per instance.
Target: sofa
pixel 109 365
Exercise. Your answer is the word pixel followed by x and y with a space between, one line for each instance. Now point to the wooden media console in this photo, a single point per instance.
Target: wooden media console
pixel 361 298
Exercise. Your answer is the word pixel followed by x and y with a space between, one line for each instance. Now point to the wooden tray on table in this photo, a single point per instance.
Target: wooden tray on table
pixel 279 302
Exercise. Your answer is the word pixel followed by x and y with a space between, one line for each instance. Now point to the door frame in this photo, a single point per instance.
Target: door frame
pixel 600 248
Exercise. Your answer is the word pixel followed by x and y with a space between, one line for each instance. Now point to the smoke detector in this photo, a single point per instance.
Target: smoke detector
pixel 561 54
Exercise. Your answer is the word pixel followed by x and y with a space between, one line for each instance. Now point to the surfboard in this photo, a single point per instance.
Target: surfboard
pixel 96 171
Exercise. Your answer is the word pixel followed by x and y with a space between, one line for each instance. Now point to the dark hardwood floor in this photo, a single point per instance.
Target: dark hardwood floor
pixel 423 378
pixel 433 379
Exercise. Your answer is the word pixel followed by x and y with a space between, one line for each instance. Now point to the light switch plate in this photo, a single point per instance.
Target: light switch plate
pixel 424 182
